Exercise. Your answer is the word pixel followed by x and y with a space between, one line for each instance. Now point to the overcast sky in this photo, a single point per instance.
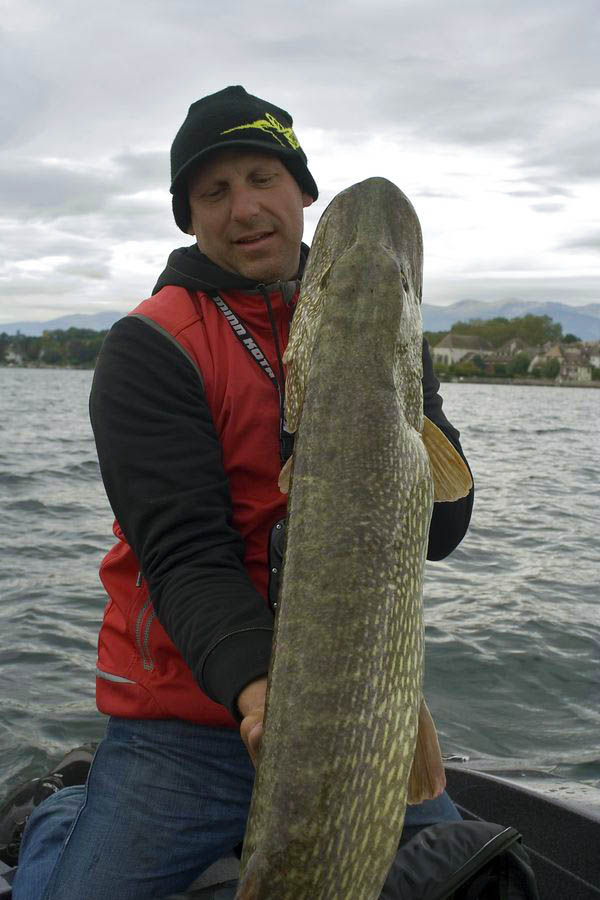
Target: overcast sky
pixel 485 113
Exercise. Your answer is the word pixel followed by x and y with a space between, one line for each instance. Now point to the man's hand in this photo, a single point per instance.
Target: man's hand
pixel 251 704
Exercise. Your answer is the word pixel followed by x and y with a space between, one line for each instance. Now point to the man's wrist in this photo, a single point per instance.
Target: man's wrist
pixel 235 662
pixel 252 696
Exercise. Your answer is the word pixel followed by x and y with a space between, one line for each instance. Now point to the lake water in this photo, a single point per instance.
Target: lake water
pixel 512 616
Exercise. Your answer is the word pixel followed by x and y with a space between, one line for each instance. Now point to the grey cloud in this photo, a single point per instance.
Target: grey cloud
pixel 19 239
pixel 532 193
pixel 442 195
pixel 144 228
pixel 88 82
pixel 548 206
pixel 27 286
pixel 573 155
pixel 23 244
pixel 584 242
pixel 494 74
pixel 140 204
pixel 92 264
pixel 34 190
pixel 149 169
pixel 95 271
pixel 539 186
pixel 506 264
pixel 25 95
pixel 37 190
pixel 517 77
pixel 131 219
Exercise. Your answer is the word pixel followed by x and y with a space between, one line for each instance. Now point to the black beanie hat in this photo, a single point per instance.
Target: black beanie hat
pixel 232 117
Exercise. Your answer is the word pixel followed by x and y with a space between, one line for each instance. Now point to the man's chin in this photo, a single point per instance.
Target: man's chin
pixel 265 273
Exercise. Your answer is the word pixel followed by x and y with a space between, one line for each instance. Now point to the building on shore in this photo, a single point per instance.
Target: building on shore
pixel 575 365
pixel 454 347
pixel 514 346
pixel 13 357
pixel 592 350
pixel 573 360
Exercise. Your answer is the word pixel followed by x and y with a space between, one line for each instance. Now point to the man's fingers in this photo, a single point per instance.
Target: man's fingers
pixel 251 731
pixel 251 704
pixel 254 739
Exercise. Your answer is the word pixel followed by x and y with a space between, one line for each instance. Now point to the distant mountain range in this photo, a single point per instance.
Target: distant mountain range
pixel 100 321
pixel 582 321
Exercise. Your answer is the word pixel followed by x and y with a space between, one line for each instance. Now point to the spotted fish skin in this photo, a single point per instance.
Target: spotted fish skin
pixel 345 682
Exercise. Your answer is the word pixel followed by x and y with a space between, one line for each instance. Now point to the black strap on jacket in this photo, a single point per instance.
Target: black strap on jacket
pixel 251 345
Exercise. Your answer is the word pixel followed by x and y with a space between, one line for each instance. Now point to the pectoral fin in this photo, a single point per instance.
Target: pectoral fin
pixel 427 777
pixel 285 476
pixel 451 477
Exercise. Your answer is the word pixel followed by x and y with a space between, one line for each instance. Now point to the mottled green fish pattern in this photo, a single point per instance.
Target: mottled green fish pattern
pixel 346 675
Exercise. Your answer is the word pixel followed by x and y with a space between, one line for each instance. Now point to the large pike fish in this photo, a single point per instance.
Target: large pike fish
pixel 344 698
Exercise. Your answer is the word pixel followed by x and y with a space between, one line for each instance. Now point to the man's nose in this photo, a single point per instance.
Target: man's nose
pixel 244 204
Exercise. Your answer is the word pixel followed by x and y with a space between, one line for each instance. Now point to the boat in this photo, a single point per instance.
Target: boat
pixel 559 822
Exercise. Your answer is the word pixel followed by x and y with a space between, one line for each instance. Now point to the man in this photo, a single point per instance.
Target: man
pixel 187 411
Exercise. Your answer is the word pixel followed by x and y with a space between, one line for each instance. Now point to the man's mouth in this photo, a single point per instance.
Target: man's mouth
pixel 254 239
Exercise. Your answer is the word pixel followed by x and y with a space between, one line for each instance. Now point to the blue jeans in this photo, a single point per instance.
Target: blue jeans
pixel 164 799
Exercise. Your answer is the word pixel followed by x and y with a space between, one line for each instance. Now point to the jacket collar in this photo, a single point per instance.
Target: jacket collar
pixel 189 268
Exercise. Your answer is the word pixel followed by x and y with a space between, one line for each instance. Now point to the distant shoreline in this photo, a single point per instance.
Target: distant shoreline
pixel 528 382
pixel 82 368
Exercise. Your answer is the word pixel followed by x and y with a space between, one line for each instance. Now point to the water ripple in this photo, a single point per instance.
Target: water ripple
pixel 513 637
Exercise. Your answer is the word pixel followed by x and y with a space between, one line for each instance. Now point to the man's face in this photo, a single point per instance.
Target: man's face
pixel 247 214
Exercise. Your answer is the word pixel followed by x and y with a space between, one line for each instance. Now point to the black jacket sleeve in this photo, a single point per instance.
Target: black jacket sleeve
pixel 449 521
pixel 161 463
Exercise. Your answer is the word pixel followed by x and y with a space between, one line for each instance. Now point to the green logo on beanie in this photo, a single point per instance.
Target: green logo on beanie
pixel 271 126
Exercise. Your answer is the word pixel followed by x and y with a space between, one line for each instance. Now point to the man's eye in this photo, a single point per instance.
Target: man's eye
pixel 263 179
pixel 213 193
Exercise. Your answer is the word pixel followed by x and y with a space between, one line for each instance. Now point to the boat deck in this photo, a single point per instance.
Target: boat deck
pixel 559 821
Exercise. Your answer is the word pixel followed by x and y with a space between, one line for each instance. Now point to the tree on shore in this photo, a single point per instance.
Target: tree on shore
pixel 550 368
pixel 77 347
pixel 434 337
pixel 4 345
pixel 518 365
pixel 534 331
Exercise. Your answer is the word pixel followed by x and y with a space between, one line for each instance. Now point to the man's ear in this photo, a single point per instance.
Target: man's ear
pixel 190 228
pixel 307 200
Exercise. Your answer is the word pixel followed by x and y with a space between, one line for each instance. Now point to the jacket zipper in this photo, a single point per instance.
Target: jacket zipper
pixel 142 630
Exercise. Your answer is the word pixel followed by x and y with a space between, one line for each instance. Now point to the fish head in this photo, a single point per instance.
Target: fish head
pixel 385 240
pixel 368 243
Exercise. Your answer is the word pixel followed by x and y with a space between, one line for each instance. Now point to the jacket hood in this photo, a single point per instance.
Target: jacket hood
pixel 189 268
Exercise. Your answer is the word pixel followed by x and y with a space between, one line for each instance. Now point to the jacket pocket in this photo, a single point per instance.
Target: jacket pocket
pixel 141 617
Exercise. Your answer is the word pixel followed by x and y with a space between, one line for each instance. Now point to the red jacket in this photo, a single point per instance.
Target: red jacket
pixel 141 674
